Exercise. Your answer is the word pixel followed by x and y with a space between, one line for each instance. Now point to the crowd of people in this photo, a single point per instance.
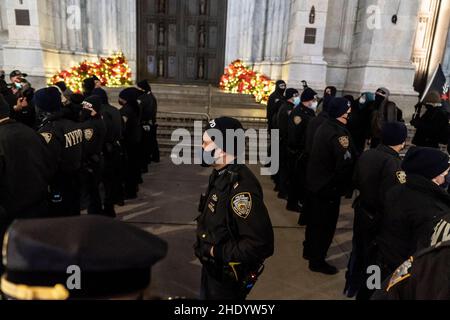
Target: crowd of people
pixel 63 152
pixel 334 146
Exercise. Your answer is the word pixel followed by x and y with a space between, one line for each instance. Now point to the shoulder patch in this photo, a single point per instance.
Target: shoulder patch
pixel 88 134
pixel 242 204
pixel 401 176
pixel 401 274
pixel 344 142
pixel 47 136
pixel 297 120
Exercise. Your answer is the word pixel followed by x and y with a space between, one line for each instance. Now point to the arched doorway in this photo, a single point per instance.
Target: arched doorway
pixel 181 41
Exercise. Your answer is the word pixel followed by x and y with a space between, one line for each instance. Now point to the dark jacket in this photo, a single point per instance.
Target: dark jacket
pixel 25 170
pixel 132 124
pixel 273 106
pixel 149 108
pixel 94 133
pixel 376 173
pixel 412 211
pixel 234 219
pixel 332 159
pixel 65 140
pixel 298 126
pixel 311 131
pixel 282 121
pixel 423 277
pixel 114 123
pixel 432 128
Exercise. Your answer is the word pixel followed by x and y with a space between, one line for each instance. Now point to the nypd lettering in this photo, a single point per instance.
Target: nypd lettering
pixel 73 138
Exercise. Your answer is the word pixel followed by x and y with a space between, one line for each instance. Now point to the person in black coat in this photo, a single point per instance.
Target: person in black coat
pixel 149 108
pixel 328 178
pixel 432 126
pixel 25 171
pixel 113 154
pixel 413 208
pixel 131 115
pixel 94 133
pixel 234 232
pixel 64 138
pixel 375 174
pixel 298 124
pixel 275 97
pixel 292 100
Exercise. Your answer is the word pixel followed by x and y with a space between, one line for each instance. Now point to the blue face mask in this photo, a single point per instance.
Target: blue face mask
pixel 297 101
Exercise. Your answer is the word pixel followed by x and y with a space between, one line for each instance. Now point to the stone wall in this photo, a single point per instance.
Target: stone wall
pixel 54 40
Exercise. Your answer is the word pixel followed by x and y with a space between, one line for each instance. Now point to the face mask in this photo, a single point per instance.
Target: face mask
pixel 362 100
pixel 314 106
pixel 379 99
pixel 85 114
pixel 208 155
pixel 297 101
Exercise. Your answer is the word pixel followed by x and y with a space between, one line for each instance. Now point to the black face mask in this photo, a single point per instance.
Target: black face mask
pixel 379 99
pixel 85 114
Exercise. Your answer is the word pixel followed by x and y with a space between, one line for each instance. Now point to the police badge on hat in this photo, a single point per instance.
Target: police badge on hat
pixel 88 134
pixel 401 176
pixel 47 137
pixel 345 142
pixel 242 204
pixel 297 120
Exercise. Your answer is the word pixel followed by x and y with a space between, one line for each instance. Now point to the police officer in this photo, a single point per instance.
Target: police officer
pixel 65 139
pixel 25 171
pixel 94 132
pixel 149 109
pixel 375 174
pixel 234 231
pixel 113 155
pixel 292 100
pixel 414 207
pixel 432 126
pixel 311 130
pixel 424 276
pixel 79 258
pixel 329 174
pixel 274 99
pixel 131 116
pixel 382 110
pixel 88 86
pixel 297 126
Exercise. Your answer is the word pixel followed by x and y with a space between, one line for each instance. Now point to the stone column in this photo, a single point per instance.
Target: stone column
pixel 339 39
pixel 382 51
pixel 305 61
pixel 23 48
pixel 275 42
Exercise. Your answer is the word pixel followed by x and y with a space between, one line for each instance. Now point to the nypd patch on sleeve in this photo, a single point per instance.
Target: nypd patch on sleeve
pixel 242 204
pixel 401 274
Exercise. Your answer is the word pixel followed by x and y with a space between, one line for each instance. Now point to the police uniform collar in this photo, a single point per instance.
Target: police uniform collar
pixel 388 150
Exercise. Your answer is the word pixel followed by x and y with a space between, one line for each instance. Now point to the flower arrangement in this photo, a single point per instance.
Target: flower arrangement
pixel 112 71
pixel 238 78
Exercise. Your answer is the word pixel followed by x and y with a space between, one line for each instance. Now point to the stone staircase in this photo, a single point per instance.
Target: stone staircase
pixel 180 106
